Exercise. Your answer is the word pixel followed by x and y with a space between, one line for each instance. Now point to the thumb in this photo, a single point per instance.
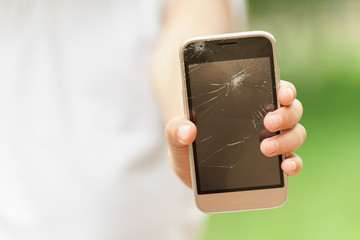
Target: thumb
pixel 180 132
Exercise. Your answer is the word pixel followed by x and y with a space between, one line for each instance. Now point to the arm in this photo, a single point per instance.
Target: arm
pixel 186 18
pixel 183 19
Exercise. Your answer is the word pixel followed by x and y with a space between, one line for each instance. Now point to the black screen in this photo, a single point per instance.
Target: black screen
pixel 231 87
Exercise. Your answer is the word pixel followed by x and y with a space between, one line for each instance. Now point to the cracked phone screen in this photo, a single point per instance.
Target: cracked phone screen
pixel 229 100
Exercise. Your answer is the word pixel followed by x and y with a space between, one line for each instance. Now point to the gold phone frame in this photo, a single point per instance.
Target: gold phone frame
pixel 238 200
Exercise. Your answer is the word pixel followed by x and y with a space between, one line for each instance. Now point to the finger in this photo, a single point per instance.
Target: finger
pixel 286 142
pixel 287 93
pixel 180 133
pixel 284 117
pixel 292 164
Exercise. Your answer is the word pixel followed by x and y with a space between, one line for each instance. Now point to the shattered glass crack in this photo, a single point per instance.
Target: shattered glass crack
pixel 229 101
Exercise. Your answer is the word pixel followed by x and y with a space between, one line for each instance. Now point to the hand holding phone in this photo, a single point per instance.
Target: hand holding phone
pixel 228 109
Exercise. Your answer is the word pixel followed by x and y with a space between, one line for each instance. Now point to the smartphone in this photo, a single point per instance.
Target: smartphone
pixel 229 84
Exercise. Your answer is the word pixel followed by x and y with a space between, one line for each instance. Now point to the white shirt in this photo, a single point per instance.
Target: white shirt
pixel 82 148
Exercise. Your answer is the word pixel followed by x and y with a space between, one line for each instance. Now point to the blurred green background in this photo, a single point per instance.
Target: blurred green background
pixel 319 51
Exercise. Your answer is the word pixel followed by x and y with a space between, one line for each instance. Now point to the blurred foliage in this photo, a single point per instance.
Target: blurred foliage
pixel 318 49
pixel 266 7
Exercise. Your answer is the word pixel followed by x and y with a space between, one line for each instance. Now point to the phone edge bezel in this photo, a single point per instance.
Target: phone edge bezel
pixel 226 36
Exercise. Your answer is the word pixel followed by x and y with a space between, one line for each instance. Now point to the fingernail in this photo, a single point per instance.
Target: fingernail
pixel 275 121
pixel 183 132
pixel 271 146
pixel 290 92
pixel 292 165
